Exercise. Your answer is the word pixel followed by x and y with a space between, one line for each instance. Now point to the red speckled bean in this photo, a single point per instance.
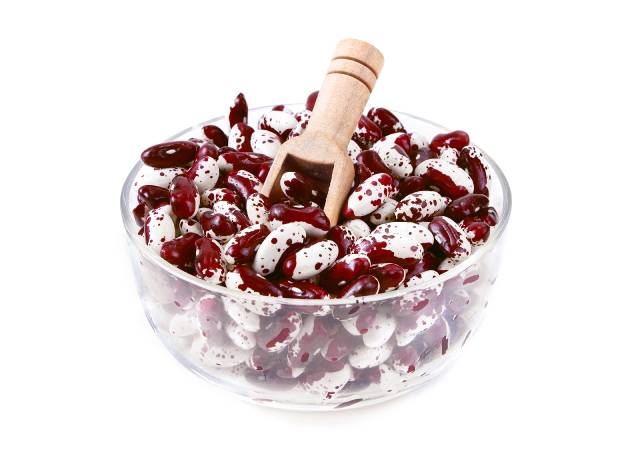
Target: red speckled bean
pixel 243 246
pixel 244 183
pixel 302 189
pixel 366 133
pixel 181 251
pixel 169 154
pixel 208 261
pixel 217 226
pixel 311 218
pixel 448 178
pixel 368 196
pixel 184 197
pixel 390 275
pixel 343 237
pixel 216 135
pixel 279 332
pixel 153 196
pixel 467 205
pixel 239 111
pixel 240 137
pixel 344 270
pixel 385 120
pixel 456 139
pixel 472 158
pixel 367 164
pixel 311 100
pixel 362 286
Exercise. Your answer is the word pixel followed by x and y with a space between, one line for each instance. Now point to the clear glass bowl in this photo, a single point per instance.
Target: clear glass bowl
pixel 432 323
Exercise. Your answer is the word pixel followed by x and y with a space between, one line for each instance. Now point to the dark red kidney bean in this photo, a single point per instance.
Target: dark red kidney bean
pixel 207 149
pixel 363 286
pixel 226 149
pixel 263 172
pixel 404 142
pixel 423 154
pixel 343 271
pixel 216 134
pixel 310 215
pixel 445 236
pixel 311 100
pixel 477 232
pixel 465 206
pixel 169 154
pixel 385 120
pixel 366 133
pixel 302 289
pixel 487 215
pixel 368 163
pixel 243 246
pixel 153 196
pixel 390 275
pixel 208 259
pixel 181 251
pixel 242 184
pixel 257 283
pixel 456 139
pixel 411 184
pixel 246 161
pixel 343 237
pixel 470 158
pixel 183 196
pixel 139 213
pixel 429 262
pixel 239 111
pixel 219 224
pixel 277 108
pixel 302 188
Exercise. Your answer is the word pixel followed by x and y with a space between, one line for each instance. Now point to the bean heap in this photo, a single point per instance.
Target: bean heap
pixel 418 207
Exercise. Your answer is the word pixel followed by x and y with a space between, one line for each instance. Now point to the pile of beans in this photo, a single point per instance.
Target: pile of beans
pixel 418 207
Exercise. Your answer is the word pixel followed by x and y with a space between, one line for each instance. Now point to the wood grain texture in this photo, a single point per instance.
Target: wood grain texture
pixel 321 151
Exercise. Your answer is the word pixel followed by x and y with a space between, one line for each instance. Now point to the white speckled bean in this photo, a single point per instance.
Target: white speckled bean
pixel 363 356
pixel 423 278
pixel 409 229
pixel 257 210
pixel 274 246
pixel 205 173
pixel 160 177
pixel 353 150
pixel 326 383
pixel 225 356
pixel 190 225
pixel 159 227
pixel 358 227
pixel 397 161
pixel 410 326
pixel 240 337
pixel 368 196
pixel 386 142
pixel 449 154
pixel 457 175
pixel 311 260
pixel 265 142
pixel 380 331
pixel 421 205
pixel 278 122
pixel 244 318
pixel 184 324
pixel 384 214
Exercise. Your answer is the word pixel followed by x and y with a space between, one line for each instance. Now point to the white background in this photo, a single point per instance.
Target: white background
pixel 549 89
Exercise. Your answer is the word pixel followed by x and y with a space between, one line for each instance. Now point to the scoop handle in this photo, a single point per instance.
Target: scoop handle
pixel 352 74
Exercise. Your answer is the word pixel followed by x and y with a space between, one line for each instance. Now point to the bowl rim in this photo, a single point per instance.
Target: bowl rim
pixel 132 228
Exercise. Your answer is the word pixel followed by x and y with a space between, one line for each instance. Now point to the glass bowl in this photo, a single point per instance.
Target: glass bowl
pixel 426 326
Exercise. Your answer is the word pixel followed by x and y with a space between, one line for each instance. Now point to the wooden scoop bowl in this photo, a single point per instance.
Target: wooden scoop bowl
pixel 321 151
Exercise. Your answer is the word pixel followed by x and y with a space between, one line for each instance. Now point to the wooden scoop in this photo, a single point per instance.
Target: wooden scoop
pixel 321 151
